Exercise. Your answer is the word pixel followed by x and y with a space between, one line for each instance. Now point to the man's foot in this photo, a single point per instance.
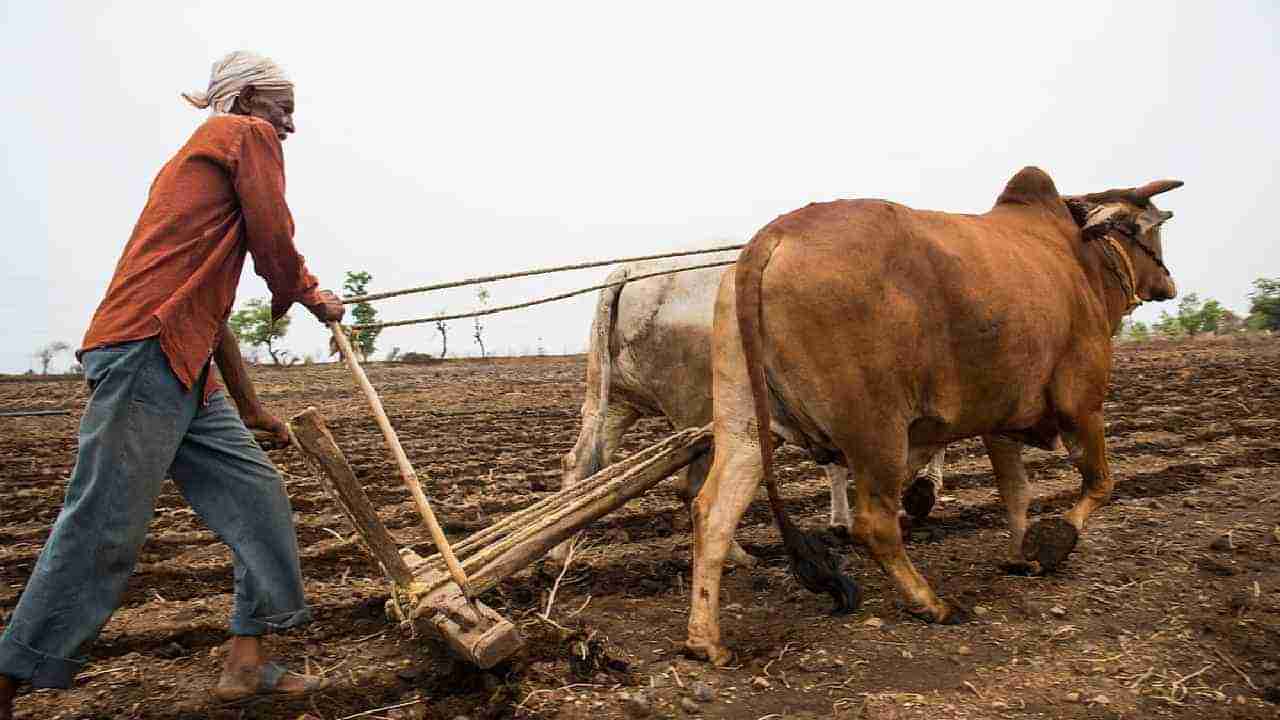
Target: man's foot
pixel 8 691
pixel 265 679
pixel 247 673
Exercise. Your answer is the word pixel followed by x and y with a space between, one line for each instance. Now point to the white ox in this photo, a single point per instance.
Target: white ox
pixel 650 356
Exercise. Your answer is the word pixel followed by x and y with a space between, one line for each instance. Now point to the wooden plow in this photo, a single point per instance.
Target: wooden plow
pixel 439 593
pixel 425 592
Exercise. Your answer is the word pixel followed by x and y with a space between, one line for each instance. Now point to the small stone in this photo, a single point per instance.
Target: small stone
pixel 1100 700
pixel 964 650
pixel 1223 543
pixel 1242 700
pixel 873 622
pixel 637 704
pixel 980 610
pixel 733 607
pixel 1058 611
pixel 702 692
pixel 689 706
pixel 1073 697
pixel 759 682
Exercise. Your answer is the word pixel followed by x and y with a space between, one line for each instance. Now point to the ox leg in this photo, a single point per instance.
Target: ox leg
pixel 841 521
pixel 1049 542
pixel 924 491
pixel 1011 477
pixel 597 443
pixel 692 478
pixel 729 489
pixel 877 501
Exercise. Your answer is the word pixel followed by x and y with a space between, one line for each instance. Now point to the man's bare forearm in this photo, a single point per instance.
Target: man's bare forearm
pixel 235 375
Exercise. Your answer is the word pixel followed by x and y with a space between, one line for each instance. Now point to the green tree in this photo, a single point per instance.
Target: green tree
pixel 357 283
pixel 47 353
pixel 253 327
pixel 1169 326
pixel 1196 316
pixel 1189 318
pixel 1135 331
pixel 1264 305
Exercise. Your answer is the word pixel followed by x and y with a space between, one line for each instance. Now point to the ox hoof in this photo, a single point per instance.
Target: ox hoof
pixel 918 500
pixel 1048 543
pixel 944 615
pixel 955 615
pixel 717 655
pixel 1019 567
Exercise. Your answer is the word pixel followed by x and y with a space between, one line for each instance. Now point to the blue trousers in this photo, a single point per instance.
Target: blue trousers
pixel 139 426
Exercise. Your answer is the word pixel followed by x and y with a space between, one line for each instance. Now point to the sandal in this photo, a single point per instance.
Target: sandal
pixel 266 681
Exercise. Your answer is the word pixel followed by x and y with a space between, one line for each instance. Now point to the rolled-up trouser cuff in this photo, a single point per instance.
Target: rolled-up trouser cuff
pixel 271 624
pixel 32 666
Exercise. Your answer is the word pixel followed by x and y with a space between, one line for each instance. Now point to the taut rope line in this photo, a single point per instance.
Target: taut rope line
pixel 507 276
pixel 552 298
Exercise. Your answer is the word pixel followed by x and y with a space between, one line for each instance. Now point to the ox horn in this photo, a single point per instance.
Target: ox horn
pixel 1151 189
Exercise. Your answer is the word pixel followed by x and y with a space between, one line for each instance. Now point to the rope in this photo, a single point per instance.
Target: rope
pixel 34 413
pixel 540 301
pixel 526 273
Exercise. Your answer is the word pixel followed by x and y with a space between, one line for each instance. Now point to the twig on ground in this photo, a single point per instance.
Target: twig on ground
pixel 974 689
pixel 1239 672
pixel 547 690
pixel 96 673
pixel 568 560
pixel 584 607
pixel 375 711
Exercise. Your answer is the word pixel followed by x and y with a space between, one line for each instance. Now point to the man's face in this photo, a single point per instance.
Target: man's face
pixel 274 106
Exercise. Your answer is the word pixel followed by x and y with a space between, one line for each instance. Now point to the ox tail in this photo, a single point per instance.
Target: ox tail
pixel 602 327
pixel 811 560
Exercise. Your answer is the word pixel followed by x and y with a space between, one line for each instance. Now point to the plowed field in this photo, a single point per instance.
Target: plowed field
pixel 1149 618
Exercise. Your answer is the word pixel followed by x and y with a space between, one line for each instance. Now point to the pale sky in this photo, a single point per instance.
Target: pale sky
pixel 438 141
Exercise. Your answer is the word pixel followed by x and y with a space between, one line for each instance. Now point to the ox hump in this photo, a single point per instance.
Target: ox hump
pixel 1030 186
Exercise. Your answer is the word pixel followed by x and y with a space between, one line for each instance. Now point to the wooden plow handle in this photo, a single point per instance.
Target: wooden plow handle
pixel 407 473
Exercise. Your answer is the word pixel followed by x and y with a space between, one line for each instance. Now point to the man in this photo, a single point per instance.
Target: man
pixel 154 410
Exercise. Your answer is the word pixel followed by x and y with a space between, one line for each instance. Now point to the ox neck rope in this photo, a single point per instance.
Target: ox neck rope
pixel 1120 265
pixel 1118 261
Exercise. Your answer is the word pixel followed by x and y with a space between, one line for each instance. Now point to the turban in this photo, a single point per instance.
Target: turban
pixel 232 74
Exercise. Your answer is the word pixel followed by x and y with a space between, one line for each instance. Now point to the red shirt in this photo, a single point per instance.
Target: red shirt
pixel 220 197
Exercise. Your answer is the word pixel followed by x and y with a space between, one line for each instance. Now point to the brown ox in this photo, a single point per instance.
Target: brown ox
pixel 882 333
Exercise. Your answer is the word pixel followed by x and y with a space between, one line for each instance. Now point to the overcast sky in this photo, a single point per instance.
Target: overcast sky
pixel 438 141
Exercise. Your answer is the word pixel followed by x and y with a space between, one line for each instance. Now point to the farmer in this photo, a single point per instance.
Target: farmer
pixel 155 411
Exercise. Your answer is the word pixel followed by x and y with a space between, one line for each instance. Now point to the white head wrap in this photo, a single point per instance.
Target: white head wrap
pixel 232 74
